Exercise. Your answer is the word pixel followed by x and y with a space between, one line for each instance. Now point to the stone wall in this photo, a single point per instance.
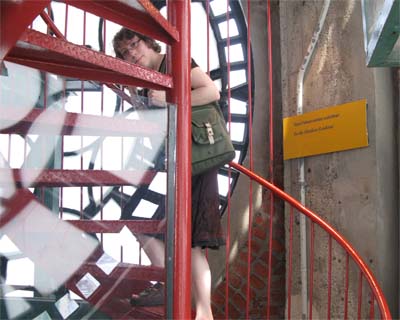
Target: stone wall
pixel 356 191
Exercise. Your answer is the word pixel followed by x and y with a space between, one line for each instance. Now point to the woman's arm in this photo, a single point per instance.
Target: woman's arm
pixel 203 88
pixel 132 91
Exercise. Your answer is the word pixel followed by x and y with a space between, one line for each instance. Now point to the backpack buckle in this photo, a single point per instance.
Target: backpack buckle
pixel 210 132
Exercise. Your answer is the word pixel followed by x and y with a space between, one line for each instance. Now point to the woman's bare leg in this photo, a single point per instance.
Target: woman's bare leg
pixel 153 295
pixel 201 285
pixel 154 249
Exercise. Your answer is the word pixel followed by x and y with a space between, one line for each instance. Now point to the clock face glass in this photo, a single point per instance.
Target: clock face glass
pixel 219 47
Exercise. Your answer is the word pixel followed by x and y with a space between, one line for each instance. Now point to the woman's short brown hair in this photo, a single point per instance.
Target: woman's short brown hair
pixel 127 34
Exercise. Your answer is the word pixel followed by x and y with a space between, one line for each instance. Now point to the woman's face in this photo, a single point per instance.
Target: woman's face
pixel 136 50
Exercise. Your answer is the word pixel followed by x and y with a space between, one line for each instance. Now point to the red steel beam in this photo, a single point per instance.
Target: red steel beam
pixel 15 17
pixel 115 288
pixel 179 16
pixel 145 19
pixel 76 61
pixel 129 271
pixel 115 226
pixel 112 295
pixel 105 298
pixel 155 14
pixel 76 124
pixel 145 313
pixel 82 178
pixel 50 23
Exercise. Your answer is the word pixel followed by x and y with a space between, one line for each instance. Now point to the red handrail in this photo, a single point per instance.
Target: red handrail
pixel 364 269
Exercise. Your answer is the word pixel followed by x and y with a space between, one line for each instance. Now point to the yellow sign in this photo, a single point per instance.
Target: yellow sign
pixel 326 130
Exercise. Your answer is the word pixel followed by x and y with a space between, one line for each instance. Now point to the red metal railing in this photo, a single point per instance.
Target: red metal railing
pixel 365 301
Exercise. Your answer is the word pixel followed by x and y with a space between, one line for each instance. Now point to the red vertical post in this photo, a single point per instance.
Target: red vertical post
pixel 360 286
pixel 372 306
pixel 179 58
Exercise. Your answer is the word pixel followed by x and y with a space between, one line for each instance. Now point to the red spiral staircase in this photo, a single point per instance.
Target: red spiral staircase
pixel 52 53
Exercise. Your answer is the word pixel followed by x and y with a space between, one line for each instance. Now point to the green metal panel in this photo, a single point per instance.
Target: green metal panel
pixel 381 23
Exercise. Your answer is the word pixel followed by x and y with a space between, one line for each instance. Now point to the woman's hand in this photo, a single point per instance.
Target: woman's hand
pixel 157 98
pixel 135 99
pixel 132 90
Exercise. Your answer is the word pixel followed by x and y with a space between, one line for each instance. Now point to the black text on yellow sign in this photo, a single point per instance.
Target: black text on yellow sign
pixel 331 129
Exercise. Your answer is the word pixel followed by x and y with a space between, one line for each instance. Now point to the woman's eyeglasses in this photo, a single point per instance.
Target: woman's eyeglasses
pixel 131 46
